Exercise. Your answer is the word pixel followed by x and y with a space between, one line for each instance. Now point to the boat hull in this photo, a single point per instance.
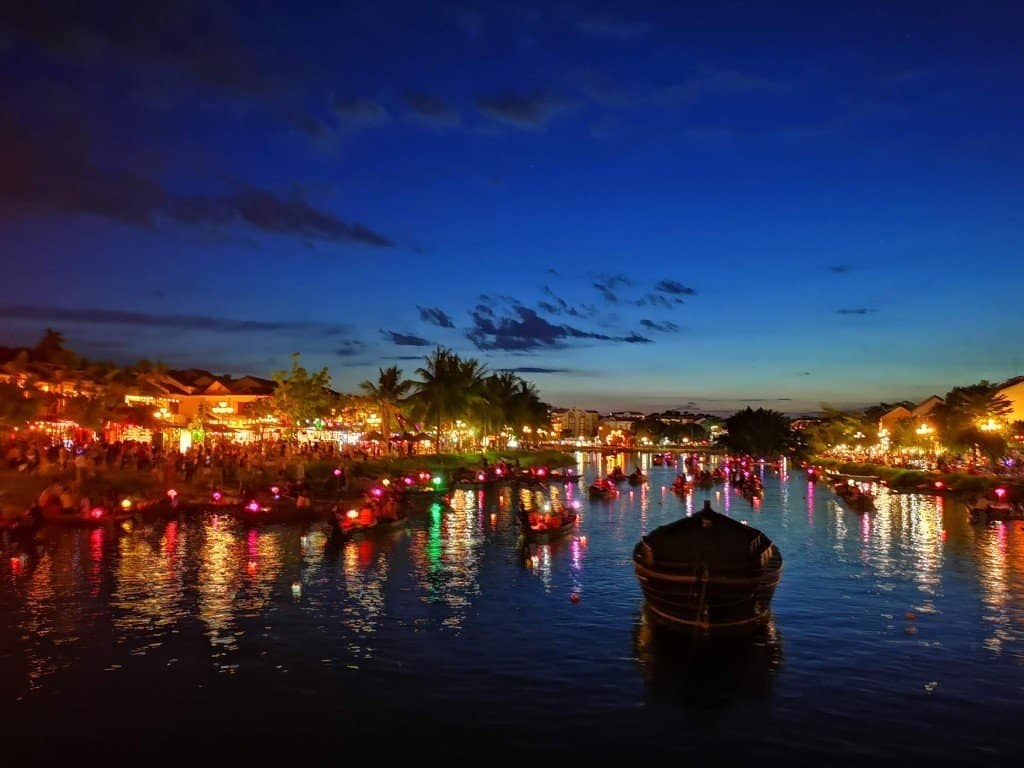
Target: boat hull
pixel 534 536
pixel 696 601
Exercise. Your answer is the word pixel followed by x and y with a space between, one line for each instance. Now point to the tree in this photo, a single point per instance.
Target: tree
pixel 301 397
pixel 758 433
pixel 448 388
pixel 388 394
pixel 972 405
pixel 18 405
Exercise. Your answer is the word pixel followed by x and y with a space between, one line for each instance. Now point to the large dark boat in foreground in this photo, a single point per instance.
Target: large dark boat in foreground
pixel 708 572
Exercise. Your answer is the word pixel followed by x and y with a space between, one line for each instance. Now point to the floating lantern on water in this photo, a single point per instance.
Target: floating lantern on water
pixel 576 504
pixel 275 490
pixel 252 506
pixel 337 472
pixel 251 566
pixel 939 484
pixel 96 513
pixel 542 471
pixel 385 482
pixel 499 472
pixel 172 494
pixel 217 495
pixel 126 504
pixel 437 480
pixel 583 541
pixel 296 589
pixel 407 480
pixel 574 597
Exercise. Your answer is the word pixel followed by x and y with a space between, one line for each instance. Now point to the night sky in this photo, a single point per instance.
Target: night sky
pixel 635 205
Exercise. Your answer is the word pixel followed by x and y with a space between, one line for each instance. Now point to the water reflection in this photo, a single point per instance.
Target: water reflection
pixel 702 672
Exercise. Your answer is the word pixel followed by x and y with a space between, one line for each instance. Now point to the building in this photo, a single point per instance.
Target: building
pixel 1013 390
pixel 577 422
pixel 890 419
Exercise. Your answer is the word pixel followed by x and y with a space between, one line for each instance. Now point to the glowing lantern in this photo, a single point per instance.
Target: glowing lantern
pixel 126 504
pixel 252 506
pixel 542 471
pixel 436 481
pixel 296 589
pixel 535 560
pixel 172 494
pixel 574 597
pixel 407 480
pixel 1000 492
pixel 352 514
pixel 275 490
pixel 217 495
pixel 337 472
pixel 494 518
pixel 480 476
pixel 385 482
pixel 377 491
pixel 96 513
pixel 939 484
pixel 583 541
pixel 499 472
pixel 251 566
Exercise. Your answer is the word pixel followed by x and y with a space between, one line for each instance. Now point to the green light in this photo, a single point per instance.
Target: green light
pixel 436 481
pixel 435 509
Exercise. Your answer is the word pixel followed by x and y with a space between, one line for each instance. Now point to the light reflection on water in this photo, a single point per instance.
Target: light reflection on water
pixel 872 608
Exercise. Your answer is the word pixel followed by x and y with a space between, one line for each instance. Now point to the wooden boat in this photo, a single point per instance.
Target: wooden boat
pixel 708 572
pixel 681 485
pixel 348 527
pixel 670 460
pixel 637 478
pixel 95 517
pixel 658 460
pixel 542 535
pixel 603 489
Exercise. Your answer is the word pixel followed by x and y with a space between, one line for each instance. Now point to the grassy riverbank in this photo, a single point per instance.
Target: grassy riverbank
pixel 916 479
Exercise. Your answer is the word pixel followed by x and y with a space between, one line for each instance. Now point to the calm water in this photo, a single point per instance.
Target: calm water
pixel 197 636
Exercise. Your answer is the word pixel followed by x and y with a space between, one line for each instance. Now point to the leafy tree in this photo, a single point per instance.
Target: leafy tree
pixel 18 405
pixel 971 406
pixel 448 388
pixel 388 394
pixel 759 433
pixel 301 397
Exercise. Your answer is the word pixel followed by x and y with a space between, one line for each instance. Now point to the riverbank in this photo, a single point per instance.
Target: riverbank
pixel 447 462
pixel 916 480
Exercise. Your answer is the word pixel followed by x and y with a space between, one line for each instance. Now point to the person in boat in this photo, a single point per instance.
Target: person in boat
pixel 302 500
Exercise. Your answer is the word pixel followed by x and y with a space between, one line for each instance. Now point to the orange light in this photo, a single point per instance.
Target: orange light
pixel 126 504
pixel 385 482
pixel 352 514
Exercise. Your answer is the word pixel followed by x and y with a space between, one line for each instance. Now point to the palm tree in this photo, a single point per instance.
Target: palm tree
pixel 448 388
pixel 389 394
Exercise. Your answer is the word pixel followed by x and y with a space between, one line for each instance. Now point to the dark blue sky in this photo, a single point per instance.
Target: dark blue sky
pixel 642 205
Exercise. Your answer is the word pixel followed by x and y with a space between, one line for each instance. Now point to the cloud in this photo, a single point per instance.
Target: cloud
pixel 430 109
pixel 355 111
pixel 558 306
pixel 604 27
pixel 531 111
pixel 553 271
pixel 190 322
pixel 714 80
pixel 401 357
pixel 535 369
pixel 665 326
pixel 526 330
pixel 350 348
pixel 855 311
pixel 405 339
pixel 197 41
pixel 607 284
pixel 659 300
pixel 50 172
pixel 310 126
pixel 435 316
pixel 840 269
pixel 674 287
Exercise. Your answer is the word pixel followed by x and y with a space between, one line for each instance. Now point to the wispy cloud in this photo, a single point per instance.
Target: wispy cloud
pixel 856 311
pixel 431 110
pixel 405 339
pixel 607 285
pixel 435 316
pixel 525 330
pixel 355 111
pixel 46 172
pixel 665 326
pixel 350 348
pixel 840 269
pixel 674 287
pixel 556 305
pixel 145 319
pixel 531 111
pixel 536 369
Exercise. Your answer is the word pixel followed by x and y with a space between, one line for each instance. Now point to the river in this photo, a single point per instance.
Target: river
pixel 894 635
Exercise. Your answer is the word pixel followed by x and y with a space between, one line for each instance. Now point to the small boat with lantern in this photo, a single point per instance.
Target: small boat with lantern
pixel 682 485
pixel 603 488
pixel 708 572
pixel 995 505
pixel 541 528
pixel 353 522
pixel 636 477
pixel 657 460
